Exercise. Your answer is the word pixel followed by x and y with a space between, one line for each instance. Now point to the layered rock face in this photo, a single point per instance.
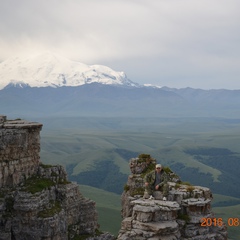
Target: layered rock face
pixel 177 218
pixel 19 150
pixel 37 201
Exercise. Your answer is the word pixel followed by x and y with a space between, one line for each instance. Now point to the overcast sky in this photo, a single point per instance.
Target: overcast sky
pixel 174 43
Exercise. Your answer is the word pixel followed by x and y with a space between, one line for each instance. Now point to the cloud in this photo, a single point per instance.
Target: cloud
pixel 159 41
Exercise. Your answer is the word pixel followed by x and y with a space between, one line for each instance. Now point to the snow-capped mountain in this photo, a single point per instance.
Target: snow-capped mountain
pixel 50 70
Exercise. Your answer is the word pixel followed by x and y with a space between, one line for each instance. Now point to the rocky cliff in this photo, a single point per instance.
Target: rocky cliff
pixel 179 218
pixel 37 201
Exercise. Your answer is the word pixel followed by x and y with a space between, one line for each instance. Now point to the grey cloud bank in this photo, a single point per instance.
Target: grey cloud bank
pixel 175 43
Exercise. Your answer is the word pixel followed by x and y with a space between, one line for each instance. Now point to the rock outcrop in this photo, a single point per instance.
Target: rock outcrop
pixel 178 218
pixel 37 201
pixel 19 150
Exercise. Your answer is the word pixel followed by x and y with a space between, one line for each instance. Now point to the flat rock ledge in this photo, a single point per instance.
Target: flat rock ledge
pixel 164 220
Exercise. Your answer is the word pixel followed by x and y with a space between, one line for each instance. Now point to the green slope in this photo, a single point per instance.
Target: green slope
pixel 108 206
pixel 227 214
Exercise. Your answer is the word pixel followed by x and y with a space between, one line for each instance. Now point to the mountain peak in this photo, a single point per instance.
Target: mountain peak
pixel 51 70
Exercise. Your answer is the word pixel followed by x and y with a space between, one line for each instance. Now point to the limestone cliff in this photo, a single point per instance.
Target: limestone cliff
pixel 37 201
pixel 178 218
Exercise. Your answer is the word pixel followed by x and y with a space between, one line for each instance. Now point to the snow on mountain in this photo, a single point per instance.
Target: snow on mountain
pixel 151 85
pixel 55 71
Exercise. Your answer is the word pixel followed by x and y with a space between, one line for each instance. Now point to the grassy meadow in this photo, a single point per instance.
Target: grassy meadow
pixel 108 206
pixel 228 212
pixel 96 153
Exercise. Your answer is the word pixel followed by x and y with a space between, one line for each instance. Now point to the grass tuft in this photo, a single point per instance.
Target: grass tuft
pixel 35 184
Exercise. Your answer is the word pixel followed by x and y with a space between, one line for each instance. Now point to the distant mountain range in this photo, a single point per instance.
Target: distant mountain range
pixel 49 85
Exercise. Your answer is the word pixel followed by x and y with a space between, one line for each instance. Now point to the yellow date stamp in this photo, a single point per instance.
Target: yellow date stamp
pixel 231 222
